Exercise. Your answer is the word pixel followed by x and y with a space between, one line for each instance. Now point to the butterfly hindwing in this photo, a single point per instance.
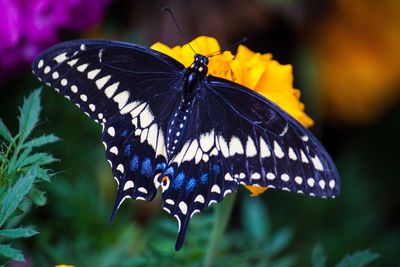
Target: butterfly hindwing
pixel 198 174
pixel 235 136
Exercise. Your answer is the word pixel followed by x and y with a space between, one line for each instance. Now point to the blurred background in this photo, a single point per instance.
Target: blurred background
pixel 346 61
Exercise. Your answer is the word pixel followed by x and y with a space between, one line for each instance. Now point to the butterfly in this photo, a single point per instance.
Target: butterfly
pixel 194 135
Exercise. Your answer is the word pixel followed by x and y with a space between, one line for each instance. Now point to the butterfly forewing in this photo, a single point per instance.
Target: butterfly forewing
pixel 131 91
pixel 271 148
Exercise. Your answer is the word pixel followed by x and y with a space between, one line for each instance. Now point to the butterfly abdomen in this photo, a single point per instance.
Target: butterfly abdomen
pixel 177 126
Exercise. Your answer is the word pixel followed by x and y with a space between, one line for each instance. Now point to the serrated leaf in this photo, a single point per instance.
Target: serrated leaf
pixel 18 163
pixel 18 232
pixel 38 159
pixel 40 141
pixel 29 114
pixel 43 174
pixel 318 257
pixel 16 194
pixel 358 259
pixel 12 253
pixel 38 197
pixel 4 132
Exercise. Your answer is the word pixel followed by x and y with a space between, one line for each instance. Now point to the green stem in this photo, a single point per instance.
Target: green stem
pixel 221 218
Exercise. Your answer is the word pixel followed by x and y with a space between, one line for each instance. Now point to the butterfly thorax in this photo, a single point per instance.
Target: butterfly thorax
pixel 196 72
pixel 176 128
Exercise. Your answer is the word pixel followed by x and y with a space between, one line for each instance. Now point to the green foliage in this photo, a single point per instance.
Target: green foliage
pixel 357 259
pixel 258 243
pixel 12 253
pixel 18 232
pixel 237 248
pixel 15 195
pixel 318 258
pixel 21 171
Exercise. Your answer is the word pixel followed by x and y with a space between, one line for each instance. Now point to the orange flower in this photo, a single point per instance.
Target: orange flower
pixel 357 59
pixel 256 71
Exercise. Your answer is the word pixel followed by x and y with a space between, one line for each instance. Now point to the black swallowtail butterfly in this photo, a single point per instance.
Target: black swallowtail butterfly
pixel 196 136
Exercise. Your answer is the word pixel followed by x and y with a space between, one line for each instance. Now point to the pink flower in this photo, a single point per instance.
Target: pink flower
pixel 29 26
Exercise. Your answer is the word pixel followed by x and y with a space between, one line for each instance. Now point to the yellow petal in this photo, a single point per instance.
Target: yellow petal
pixel 204 45
pixel 255 190
pixel 160 47
pixel 276 84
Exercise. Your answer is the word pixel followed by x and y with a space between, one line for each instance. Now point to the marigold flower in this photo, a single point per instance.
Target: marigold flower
pixel 63 265
pixel 256 71
pixel 357 59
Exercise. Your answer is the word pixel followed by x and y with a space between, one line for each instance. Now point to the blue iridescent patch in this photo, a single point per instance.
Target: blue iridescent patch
pixel 161 166
pixel 147 169
pixel 190 185
pixel 124 133
pixel 178 181
pixel 204 178
pixel 127 150
pixel 134 164
pixel 169 172
pixel 217 169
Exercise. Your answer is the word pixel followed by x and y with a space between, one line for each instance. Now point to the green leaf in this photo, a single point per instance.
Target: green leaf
pixel 4 132
pixel 43 174
pixel 2 193
pixel 16 194
pixel 12 253
pixel 255 219
pixel 40 141
pixel 37 158
pixel 318 257
pixel 18 232
pixel 17 162
pixel 358 259
pixel 38 197
pixel 279 241
pixel 29 114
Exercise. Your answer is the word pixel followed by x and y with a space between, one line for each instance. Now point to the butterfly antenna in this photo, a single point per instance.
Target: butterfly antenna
pixel 167 9
pixel 241 41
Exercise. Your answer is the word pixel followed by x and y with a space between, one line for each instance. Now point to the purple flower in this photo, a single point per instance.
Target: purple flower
pixel 29 26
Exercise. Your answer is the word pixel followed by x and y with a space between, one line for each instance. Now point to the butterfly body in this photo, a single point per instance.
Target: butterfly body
pixel 196 136
pixel 191 78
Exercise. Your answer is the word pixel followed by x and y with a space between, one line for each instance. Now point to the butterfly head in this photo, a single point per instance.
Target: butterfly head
pixel 200 64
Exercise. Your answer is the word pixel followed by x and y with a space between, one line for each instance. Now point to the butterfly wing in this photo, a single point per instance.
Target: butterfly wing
pixel 128 89
pixel 285 155
pixel 236 136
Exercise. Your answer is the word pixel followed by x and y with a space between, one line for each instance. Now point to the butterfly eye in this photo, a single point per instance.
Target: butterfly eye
pixel 165 183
